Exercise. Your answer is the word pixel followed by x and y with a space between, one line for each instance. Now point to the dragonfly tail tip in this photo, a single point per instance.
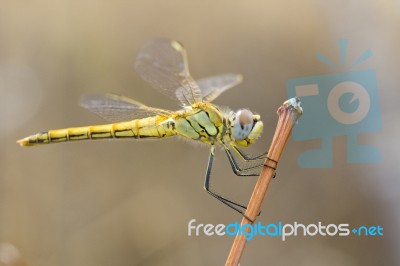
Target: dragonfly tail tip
pixel 23 142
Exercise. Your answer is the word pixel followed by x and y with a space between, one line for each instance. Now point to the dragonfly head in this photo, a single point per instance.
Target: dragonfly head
pixel 246 127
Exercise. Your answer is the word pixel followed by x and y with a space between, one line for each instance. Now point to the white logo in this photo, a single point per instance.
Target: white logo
pixel 359 93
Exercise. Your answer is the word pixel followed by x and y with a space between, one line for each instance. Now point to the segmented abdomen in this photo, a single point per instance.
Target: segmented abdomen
pixel 151 127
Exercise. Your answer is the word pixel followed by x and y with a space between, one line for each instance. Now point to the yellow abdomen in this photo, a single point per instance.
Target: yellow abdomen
pixel 151 127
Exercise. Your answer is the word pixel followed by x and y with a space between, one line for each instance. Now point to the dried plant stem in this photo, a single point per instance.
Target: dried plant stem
pixel 288 113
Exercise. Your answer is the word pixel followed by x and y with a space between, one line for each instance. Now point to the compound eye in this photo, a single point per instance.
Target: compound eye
pixel 245 117
pixel 243 124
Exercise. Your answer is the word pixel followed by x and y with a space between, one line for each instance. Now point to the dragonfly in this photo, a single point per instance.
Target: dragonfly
pixel 163 64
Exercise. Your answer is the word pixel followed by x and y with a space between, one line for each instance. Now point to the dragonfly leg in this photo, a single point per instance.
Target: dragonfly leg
pixel 235 166
pixel 246 157
pixel 237 169
pixel 233 205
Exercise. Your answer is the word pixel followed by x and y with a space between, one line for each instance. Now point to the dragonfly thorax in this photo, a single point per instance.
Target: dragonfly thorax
pixel 245 127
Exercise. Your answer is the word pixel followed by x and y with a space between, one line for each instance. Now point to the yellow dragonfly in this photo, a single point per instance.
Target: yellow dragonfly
pixel 163 64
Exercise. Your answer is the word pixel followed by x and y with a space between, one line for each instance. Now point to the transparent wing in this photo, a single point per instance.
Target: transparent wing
pixel 163 64
pixel 116 108
pixel 212 87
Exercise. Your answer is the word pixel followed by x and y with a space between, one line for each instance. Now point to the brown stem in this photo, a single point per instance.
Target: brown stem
pixel 288 113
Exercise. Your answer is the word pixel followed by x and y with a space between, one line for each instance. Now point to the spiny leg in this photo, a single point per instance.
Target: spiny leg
pixel 235 206
pixel 235 166
pixel 245 157
pixel 212 193
pixel 238 171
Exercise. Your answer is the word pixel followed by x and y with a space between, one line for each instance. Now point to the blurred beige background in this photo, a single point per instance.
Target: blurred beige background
pixel 128 203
